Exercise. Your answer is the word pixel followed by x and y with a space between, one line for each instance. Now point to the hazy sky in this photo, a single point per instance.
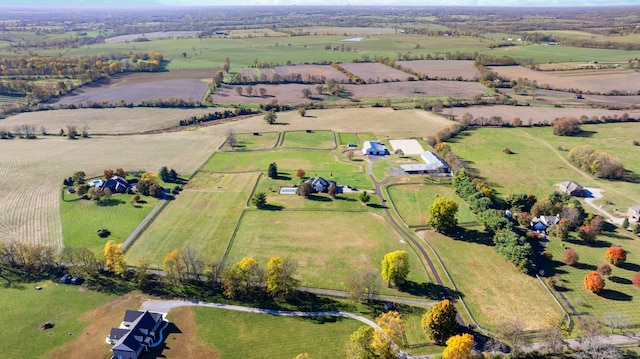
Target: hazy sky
pixel 542 3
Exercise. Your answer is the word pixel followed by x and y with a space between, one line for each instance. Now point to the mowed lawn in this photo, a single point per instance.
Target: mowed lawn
pixel 412 201
pixel 25 309
pixel 618 295
pixel 81 219
pixel 250 335
pixel 493 289
pixel 287 160
pixel 252 142
pixel 321 140
pixel 203 217
pixel 328 246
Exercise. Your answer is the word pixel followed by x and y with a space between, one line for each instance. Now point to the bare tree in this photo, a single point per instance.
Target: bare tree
pixel 513 331
pixel 362 287
pixel 231 138
pixel 554 341
pixel 616 320
pixel 194 265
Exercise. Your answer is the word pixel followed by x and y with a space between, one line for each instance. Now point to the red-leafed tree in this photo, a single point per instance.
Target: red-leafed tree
pixel 616 255
pixel 300 173
pixel 587 233
pixel 594 282
pixel 636 280
pixel 570 257
pixel 108 173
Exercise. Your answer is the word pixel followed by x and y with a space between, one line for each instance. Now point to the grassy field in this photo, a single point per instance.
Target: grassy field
pixel 202 217
pixel 538 165
pixel 287 160
pixel 320 140
pixel 617 297
pixel 557 53
pixel 25 309
pixel 292 337
pixel 412 201
pixel 493 289
pixel 251 142
pixel 81 220
pixel 349 242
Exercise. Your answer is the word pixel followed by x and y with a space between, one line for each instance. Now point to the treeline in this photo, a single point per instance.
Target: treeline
pixel 510 244
pixel 194 120
pixel 54 43
pixel 596 162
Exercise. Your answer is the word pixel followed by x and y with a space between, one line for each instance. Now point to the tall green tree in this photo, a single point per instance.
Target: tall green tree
pixel 442 214
pixel 272 172
pixel 259 200
pixel 359 346
pixel 395 267
pixel 270 117
pixel 439 323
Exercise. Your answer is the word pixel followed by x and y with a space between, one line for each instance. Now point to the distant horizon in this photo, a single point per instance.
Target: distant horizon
pixel 324 3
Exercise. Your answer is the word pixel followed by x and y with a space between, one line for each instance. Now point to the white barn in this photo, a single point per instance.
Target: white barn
pixel 374 148
pixel 433 164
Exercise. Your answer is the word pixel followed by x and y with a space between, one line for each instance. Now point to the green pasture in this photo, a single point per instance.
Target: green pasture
pixel 380 169
pixel 211 52
pixel 344 138
pixel 251 142
pixel 618 294
pixel 313 162
pixel 11 100
pixel 203 217
pixel 493 289
pixel 538 165
pixel 26 309
pixel 557 53
pixel 348 242
pixel 320 140
pixel 412 201
pixel 81 219
pixel 255 335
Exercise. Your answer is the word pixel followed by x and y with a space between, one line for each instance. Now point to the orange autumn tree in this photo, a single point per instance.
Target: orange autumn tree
pixel 616 255
pixel 636 280
pixel 594 282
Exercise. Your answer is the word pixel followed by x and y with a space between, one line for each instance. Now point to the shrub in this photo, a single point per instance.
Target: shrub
pixel 587 233
pixel 507 150
pixel 604 269
pixel 594 282
pixel 616 255
pixel 636 280
pixel 570 257
pixel 566 127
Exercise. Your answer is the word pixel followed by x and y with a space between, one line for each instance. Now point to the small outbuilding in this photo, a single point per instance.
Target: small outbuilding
pixel 374 148
pixel 634 213
pixel 573 189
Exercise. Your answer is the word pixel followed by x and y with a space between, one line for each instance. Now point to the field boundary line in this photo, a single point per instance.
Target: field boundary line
pixel 144 224
pixel 253 189
pixel 566 314
pixel 231 240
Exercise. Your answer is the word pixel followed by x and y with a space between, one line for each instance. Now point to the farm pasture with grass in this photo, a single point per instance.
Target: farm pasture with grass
pixel 81 219
pixel 253 141
pixel 321 339
pixel 68 307
pixel 544 53
pixel 350 242
pixel 320 140
pixel 202 217
pixel 524 171
pixel 494 290
pixel 413 200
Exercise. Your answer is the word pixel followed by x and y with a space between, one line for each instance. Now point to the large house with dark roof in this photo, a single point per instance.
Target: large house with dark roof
pixel 115 184
pixel 320 184
pixel 374 148
pixel 135 335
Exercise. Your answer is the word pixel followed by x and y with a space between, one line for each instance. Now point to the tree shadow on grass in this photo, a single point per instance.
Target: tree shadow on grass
pixel 585 266
pixel 471 236
pixel 594 244
pixel 619 280
pixel 110 285
pixel 283 176
pixel 111 202
pixel 157 351
pixel 630 267
pixel 615 295
pixel 375 205
pixel 427 290
pixel 317 198
pixel 272 207
pixel 346 199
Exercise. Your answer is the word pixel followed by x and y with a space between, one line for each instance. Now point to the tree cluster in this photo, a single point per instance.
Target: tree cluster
pixel 214 116
pixel 566 126
pixel 596 162
pixel 246 278
pixel 383 343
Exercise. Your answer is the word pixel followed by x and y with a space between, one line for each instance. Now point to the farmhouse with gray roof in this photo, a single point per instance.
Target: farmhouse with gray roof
pixel 320 184
pixel 135 335
pixel 634 213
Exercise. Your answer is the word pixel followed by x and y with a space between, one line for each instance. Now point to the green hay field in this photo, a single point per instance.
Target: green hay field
pixel 203 217
pixel 81 220
pixel 251 142
pixel 412 201
pixel 349 242
pixel 493 289
pixel 320 140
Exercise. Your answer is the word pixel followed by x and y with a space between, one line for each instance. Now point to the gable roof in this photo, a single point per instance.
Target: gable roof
pixel 373 146
pixel 635 209
pixel 138 332
pixel 571 187
pixel 433 161
pixel 116 184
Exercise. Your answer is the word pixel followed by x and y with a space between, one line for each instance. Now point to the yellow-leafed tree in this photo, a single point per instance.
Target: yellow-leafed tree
pixel 114 258
pixel 458 347
pixel 395 267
